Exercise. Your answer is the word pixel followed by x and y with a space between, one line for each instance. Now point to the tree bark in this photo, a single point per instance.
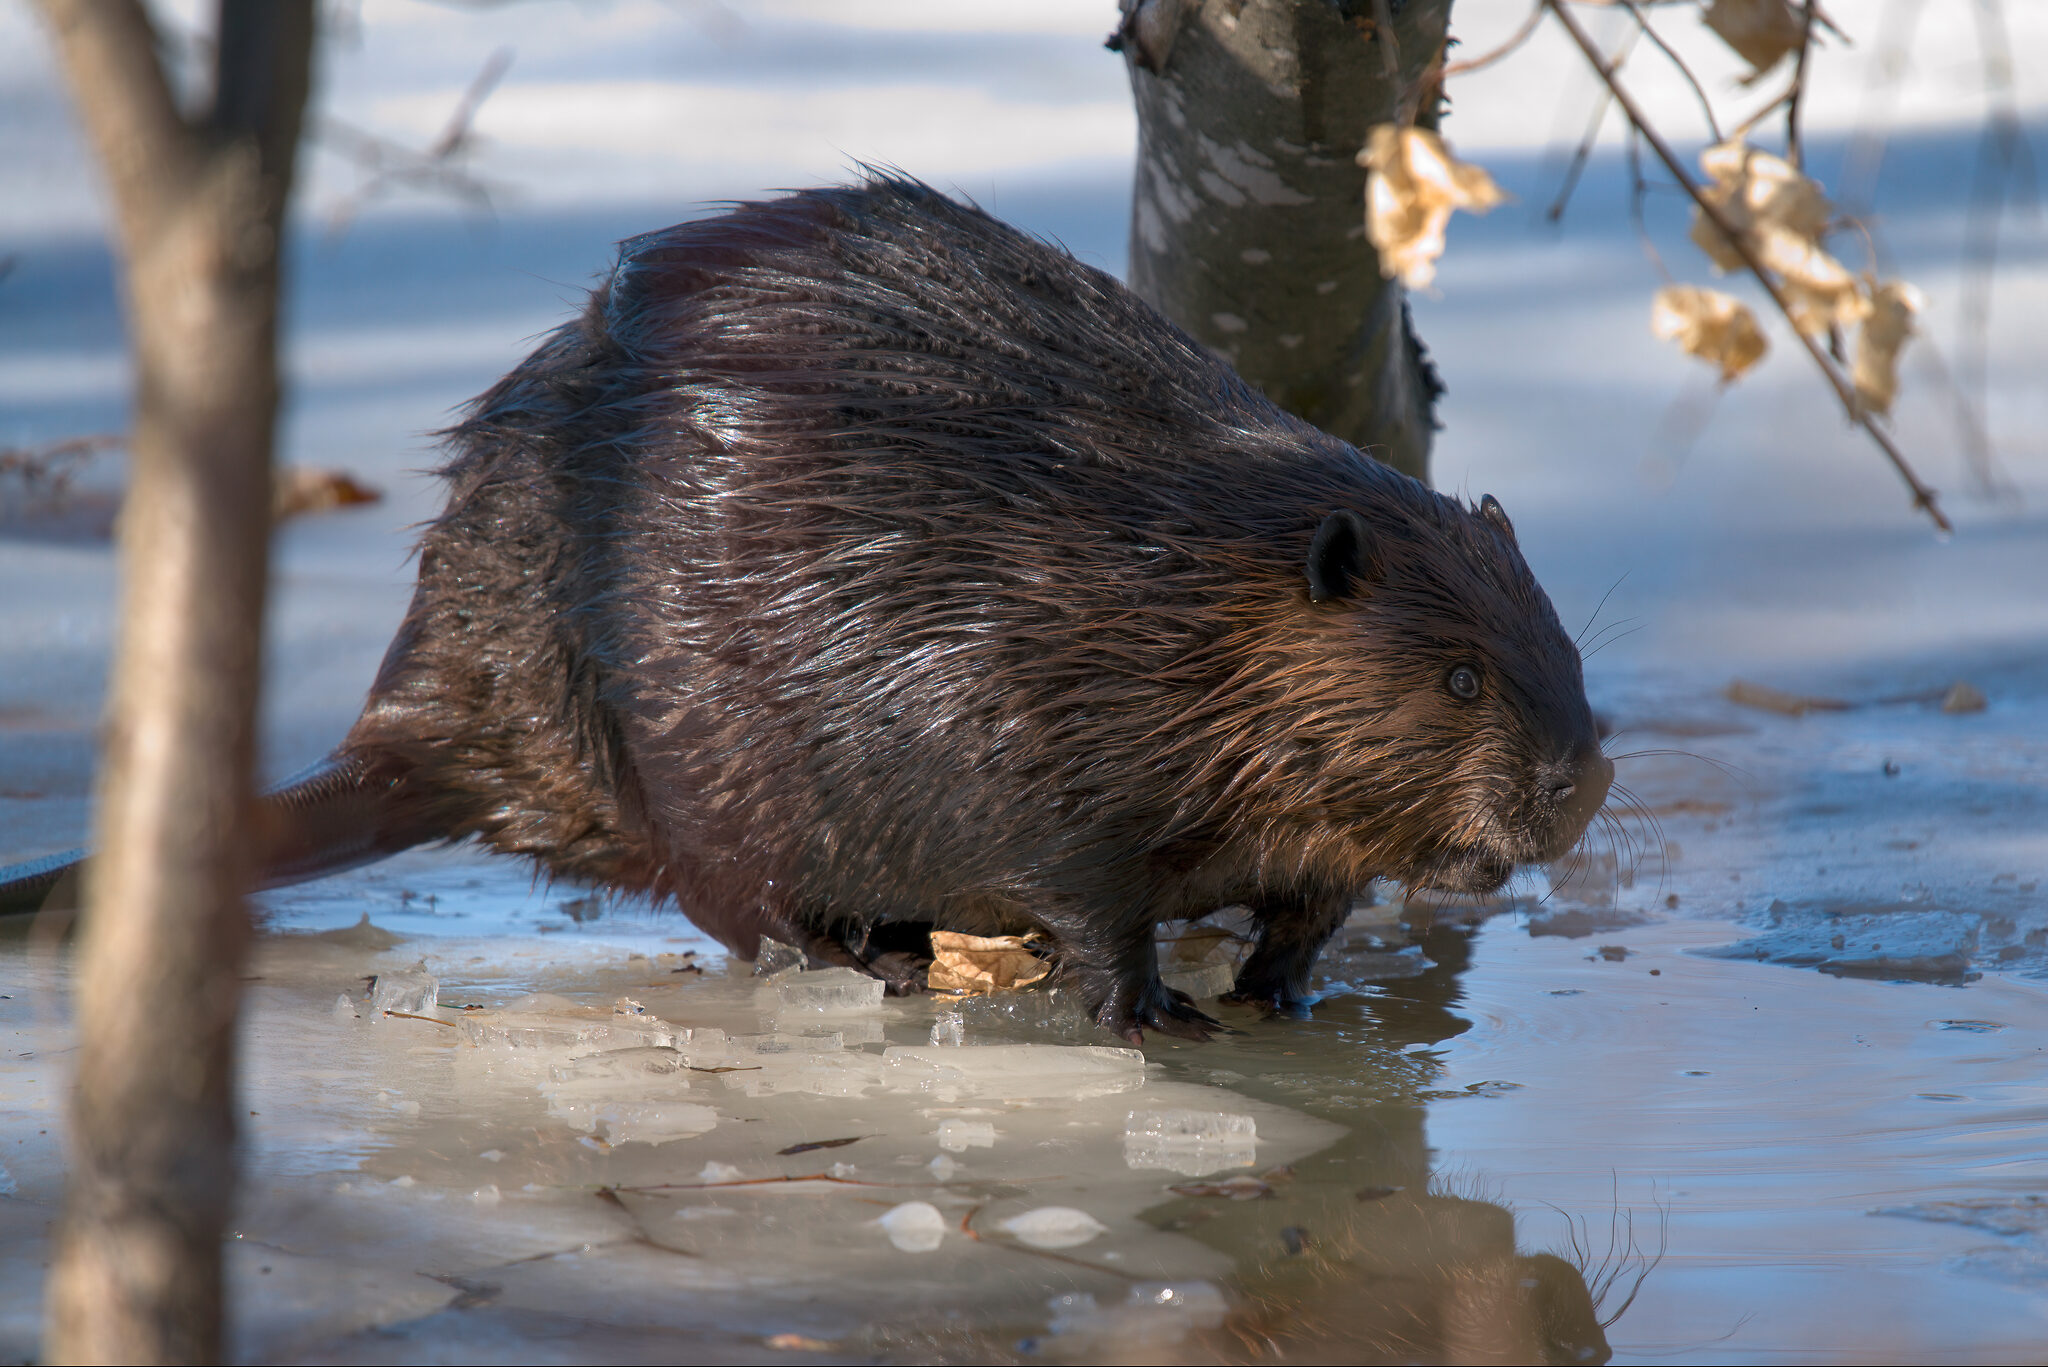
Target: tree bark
pixel 200 207
pixel 1247 226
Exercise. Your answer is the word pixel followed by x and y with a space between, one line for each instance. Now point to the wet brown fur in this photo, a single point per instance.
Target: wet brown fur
pixel 854 560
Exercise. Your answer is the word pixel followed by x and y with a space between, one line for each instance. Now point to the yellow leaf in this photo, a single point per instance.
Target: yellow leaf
pixel 1780 215
pixel 1760 31
pixel 1713 326
pixel 1763 188
pixel 299 489
pixel 1884 332
pixel 1819 288
pixel 1415 184
pixel 983 963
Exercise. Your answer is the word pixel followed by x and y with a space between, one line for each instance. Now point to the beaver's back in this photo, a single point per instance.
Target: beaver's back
pixel 880 550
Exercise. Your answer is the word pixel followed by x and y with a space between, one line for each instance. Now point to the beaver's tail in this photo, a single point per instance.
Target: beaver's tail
pixel 351 808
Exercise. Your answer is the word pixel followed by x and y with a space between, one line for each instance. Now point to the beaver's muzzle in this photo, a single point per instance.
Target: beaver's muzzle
pixel 1577 788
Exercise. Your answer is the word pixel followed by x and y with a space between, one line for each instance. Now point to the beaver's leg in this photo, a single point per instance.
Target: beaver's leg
pixel 885 956
pixel 1117 977
pixel 1292 931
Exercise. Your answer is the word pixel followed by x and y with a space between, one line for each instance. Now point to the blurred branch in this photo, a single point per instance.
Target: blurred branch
pixel 388 165
pixel 1584 151
pixel 1866 145
pixel 2005 163
pixel 47 470
pixel 1390 45
pixel 1486 59
pixel 1793 149
pixel 1924 498
pixel 1706 105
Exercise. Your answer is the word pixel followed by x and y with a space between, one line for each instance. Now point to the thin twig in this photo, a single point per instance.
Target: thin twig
pixel 1706 105
pixel 1924 498
pixel 650 1188
pixel 1638 191
pixel 410 1016
pixel 1584 152
pixel 2005 161
pixel 1740 132
pixel 1390 46
pixel 1793 151
pixel 389 164
pixel 1521 35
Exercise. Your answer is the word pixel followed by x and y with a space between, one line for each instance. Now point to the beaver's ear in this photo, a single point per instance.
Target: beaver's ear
pixel 1490 509
pixel 1342 561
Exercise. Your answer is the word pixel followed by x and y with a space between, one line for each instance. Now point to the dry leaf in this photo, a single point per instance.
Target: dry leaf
pixel 302 489
pixel 1781 214
pixel 1762 188
pixel 1963 697
pixel 983 963
pixel 1885 330
pixel 1760 31
pixel 1414 186
pixel 1713 326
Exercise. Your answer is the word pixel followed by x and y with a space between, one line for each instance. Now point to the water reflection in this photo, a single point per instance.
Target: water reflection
pixel 1362 1253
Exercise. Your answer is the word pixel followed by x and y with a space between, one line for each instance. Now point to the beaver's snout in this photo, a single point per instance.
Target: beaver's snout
pixel 1577 787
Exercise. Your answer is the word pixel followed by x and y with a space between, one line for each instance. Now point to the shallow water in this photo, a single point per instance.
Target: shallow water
pixel 1793 1166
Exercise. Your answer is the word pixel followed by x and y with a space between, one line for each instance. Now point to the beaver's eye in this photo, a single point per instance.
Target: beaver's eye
pixel 1463 683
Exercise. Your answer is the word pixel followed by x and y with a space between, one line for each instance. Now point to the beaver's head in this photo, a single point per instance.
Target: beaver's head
pixel 1456 740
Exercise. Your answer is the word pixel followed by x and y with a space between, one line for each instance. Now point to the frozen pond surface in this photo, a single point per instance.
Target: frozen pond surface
pixel 1793 1028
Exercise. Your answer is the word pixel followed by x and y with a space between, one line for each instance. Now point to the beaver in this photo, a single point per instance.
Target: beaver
pixel 856 565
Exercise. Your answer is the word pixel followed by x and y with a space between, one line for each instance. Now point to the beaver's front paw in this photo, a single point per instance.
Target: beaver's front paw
pixel 1155 1006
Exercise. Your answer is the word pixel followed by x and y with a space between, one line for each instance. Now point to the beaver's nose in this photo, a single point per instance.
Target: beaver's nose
pixel 1579 786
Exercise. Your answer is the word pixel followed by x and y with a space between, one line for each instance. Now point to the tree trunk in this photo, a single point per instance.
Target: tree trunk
pixel 200 204
pixel 1247 226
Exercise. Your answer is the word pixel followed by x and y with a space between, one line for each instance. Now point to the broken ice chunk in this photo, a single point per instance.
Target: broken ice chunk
pixel 413 993
pixel 719 1172
pixel 788 1044
pixel 344 1009
pixel 948 1029
pixel 620 1065
pixel 1040 1011
pixel 962 1135
pixel 636 1122
pixel 831 992
pixel 775 957
pixel 1053 1227
pixel 1189 1142
pixel 1209 980
pixel 943 1168
pixel 515 1029
pixel 1869 941
pixel 1014 1071
pixel 914 1226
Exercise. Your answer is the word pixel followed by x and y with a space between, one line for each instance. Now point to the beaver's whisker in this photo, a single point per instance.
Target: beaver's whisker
pixel 1595 615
